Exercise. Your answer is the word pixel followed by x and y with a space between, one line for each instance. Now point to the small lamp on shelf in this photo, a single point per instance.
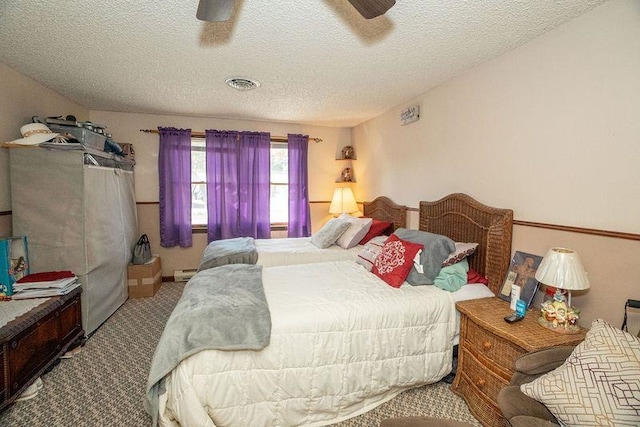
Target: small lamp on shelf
pixel 343 201
pixel 562 269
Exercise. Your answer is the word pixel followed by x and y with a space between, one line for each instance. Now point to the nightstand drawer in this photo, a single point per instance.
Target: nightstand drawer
pixel 484 410
pixel 481 377
pixel 484 344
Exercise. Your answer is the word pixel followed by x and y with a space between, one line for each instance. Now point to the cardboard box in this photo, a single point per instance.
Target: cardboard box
pixel 145 279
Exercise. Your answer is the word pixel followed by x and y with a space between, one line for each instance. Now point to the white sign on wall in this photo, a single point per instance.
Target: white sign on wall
pixel 410 115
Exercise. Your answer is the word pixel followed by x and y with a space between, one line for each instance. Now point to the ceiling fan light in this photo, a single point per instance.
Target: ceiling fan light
pixel 372 8
pixel 214 10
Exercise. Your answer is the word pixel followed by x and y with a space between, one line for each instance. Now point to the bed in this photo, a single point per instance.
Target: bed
pixel 289 251
pixel 340 342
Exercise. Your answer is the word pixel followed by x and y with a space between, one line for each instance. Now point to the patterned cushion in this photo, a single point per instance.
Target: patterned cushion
pixel 358 227
pixel 395 261
pixel 370 252
pixel 599 384
pixel 462 251
pixel 329 233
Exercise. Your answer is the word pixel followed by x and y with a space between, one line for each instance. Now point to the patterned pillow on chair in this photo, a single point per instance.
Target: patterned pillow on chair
pixel 598 385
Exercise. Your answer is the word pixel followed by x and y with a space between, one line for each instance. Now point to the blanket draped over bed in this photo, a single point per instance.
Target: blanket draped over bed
pixel 223 309
pixel 239 250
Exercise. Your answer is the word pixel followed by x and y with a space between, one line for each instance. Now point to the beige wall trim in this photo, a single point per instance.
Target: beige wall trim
pixel 592 231
pixel 569 228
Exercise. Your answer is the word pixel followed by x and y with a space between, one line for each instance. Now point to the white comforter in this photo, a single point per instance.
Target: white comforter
pixel 342 342
pixel 300 250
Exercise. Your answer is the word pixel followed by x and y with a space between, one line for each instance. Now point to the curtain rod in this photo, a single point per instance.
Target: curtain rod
pixel 201 135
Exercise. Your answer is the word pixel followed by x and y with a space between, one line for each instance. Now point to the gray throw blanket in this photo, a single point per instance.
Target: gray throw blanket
pixel 240 250
pixel 224 308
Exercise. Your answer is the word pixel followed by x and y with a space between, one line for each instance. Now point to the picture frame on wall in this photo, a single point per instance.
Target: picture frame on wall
pixel 522 272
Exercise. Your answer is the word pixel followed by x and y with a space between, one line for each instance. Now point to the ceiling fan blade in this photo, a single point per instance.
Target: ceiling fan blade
pixel 372 8
pixel 214 10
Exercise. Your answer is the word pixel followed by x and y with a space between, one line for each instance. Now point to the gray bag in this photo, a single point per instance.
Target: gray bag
pixel 142 251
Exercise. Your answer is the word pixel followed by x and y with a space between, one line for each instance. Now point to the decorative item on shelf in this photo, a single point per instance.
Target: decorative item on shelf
pixel 348 152
pixel 346 175
pixel 343 201
pixel 562 269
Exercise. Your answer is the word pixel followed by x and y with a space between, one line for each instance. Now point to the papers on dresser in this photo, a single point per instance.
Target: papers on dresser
pixel 55 284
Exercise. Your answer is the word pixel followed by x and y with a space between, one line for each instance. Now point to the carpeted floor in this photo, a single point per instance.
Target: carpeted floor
pixel 104 384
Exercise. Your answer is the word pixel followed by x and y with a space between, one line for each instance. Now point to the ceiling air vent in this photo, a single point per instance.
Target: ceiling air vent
pixel 242 83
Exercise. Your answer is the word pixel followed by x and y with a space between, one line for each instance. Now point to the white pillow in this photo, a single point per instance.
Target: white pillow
pixel 358 227
pixel 330 232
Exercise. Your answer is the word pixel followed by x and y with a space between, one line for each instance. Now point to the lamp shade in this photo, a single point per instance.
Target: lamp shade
pixel 343 201
pixel 562 269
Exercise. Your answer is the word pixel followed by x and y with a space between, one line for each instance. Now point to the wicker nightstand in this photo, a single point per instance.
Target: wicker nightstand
pixel 488 349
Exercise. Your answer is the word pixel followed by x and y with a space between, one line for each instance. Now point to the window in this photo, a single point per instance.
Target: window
pixel 279 176
pixel 198 182
pixel 279 183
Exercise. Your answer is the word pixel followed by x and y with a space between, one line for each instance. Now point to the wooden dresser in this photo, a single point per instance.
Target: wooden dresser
pixel 32 342
pixel 488 349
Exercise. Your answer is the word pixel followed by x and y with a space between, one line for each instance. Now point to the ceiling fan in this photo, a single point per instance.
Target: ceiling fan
pixel 220 10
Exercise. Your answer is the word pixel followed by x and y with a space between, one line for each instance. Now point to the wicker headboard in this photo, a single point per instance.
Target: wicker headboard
pixel 383 209
pixel 464 219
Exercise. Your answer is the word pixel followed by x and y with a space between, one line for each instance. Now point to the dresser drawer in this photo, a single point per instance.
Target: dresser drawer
pixel 31 350
pixel 481 376
pixel 485 345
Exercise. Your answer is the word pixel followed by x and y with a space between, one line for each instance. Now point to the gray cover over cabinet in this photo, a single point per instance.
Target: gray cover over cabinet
pixel 76 217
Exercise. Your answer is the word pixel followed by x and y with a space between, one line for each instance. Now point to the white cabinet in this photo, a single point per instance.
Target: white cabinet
pixel 79 217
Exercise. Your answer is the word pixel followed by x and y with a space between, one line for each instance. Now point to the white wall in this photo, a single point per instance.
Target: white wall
pixel 550 130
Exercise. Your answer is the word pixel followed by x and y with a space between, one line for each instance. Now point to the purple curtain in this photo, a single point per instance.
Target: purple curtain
pixel 299 211
pixel 238 186
pixel 174 171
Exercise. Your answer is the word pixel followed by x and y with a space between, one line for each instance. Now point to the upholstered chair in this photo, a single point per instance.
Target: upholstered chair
pixel 521 410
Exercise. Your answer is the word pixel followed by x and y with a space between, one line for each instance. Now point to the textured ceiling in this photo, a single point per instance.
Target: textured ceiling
pixel 319 61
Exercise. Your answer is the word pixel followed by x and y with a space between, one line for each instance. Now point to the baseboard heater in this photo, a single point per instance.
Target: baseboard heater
pixel 183 275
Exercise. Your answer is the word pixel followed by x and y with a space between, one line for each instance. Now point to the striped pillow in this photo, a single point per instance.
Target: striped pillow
pixel 371 250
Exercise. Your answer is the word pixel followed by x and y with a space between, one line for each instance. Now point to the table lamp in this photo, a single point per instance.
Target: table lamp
pixel 343 201
pixel 562 269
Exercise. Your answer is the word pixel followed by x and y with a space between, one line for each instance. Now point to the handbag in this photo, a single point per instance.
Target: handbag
pixel 142 251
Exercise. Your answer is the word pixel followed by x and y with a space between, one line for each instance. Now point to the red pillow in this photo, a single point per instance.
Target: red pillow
pixel 377 228
pixel 475 277
pixel 395 260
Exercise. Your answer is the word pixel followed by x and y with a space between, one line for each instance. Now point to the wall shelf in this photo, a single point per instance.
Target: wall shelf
pixel 346 174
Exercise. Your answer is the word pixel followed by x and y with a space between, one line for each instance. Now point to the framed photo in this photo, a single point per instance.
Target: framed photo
pixel 522 272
